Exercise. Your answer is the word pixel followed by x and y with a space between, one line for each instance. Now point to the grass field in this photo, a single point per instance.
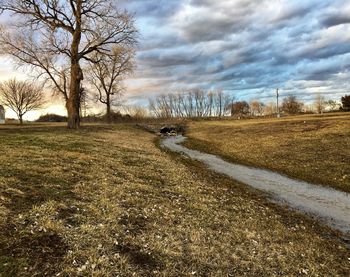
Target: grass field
pixel 106 201
pixel 311 148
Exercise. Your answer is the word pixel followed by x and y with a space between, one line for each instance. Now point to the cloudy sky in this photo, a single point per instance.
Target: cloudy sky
pixel 245 47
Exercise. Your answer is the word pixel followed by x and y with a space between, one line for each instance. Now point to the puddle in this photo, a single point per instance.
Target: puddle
pixel 331 206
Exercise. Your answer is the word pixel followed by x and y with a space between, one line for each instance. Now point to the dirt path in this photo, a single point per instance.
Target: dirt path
pixel 329 205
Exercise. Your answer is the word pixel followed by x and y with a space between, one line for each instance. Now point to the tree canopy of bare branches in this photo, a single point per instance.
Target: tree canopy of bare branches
pixel 106 76
pixel 56 37
pixel 239 108
pixel 192 103
pixel 135 111
pixel 320 103
pixel 291 105
pixel 21 97
pixel 256 107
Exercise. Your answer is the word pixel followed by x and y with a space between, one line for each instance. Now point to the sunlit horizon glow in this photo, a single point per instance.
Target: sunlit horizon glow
pixel 247 48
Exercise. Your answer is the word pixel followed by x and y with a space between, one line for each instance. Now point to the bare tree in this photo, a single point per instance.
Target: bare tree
pixel 153 108
pixel 333 105
pixel 106 75
pixel 200 100
pixel 239 108
pixel 256 107
pixel 54 34
pixel 220 105
pixel 135 111
pixel 269 108
pixel 21 97
pixel 320 103
pixel 291 105
pixel 222 101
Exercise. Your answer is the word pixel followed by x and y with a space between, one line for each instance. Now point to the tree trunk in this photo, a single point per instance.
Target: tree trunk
pixel 73 102
pixel 108 104
pixel 20 119
pixel 76 75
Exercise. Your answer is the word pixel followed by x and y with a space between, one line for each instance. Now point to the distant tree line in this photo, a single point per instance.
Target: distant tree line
pixel 192 103
pixel 198 103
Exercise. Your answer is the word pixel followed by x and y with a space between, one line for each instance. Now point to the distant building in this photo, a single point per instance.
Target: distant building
pixel 2 115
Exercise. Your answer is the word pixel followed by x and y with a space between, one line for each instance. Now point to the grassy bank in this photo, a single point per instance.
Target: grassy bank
pixel 311 148
pixel 105 201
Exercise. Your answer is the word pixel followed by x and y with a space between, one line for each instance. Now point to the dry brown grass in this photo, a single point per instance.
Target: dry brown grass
pixel 105 201
pixel 311 148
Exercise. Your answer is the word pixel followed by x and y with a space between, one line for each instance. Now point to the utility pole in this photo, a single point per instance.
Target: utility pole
pixel 278 108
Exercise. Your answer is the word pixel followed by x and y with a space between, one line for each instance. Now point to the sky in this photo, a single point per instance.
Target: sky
pixel 247 48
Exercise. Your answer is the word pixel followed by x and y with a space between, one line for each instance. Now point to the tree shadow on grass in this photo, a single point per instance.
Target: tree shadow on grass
pixel 34 255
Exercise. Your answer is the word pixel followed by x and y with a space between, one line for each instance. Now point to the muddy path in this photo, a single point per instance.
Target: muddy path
pixel 326 204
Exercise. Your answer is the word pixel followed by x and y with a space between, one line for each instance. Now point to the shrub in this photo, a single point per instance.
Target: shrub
pixel 345 100
pixel 52 118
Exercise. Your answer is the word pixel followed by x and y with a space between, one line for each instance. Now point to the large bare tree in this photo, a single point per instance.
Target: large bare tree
pixel 106 76
pixel 56 37
pixel 21 97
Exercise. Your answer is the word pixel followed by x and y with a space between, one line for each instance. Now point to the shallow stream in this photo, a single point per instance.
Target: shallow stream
pixel 329 205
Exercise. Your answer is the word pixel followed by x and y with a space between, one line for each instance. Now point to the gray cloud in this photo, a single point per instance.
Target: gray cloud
pixel 151 8
pixel 335 18
pixel 248 47
pixel 174 57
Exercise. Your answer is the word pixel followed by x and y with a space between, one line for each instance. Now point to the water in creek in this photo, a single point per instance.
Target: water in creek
pixel 329 205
